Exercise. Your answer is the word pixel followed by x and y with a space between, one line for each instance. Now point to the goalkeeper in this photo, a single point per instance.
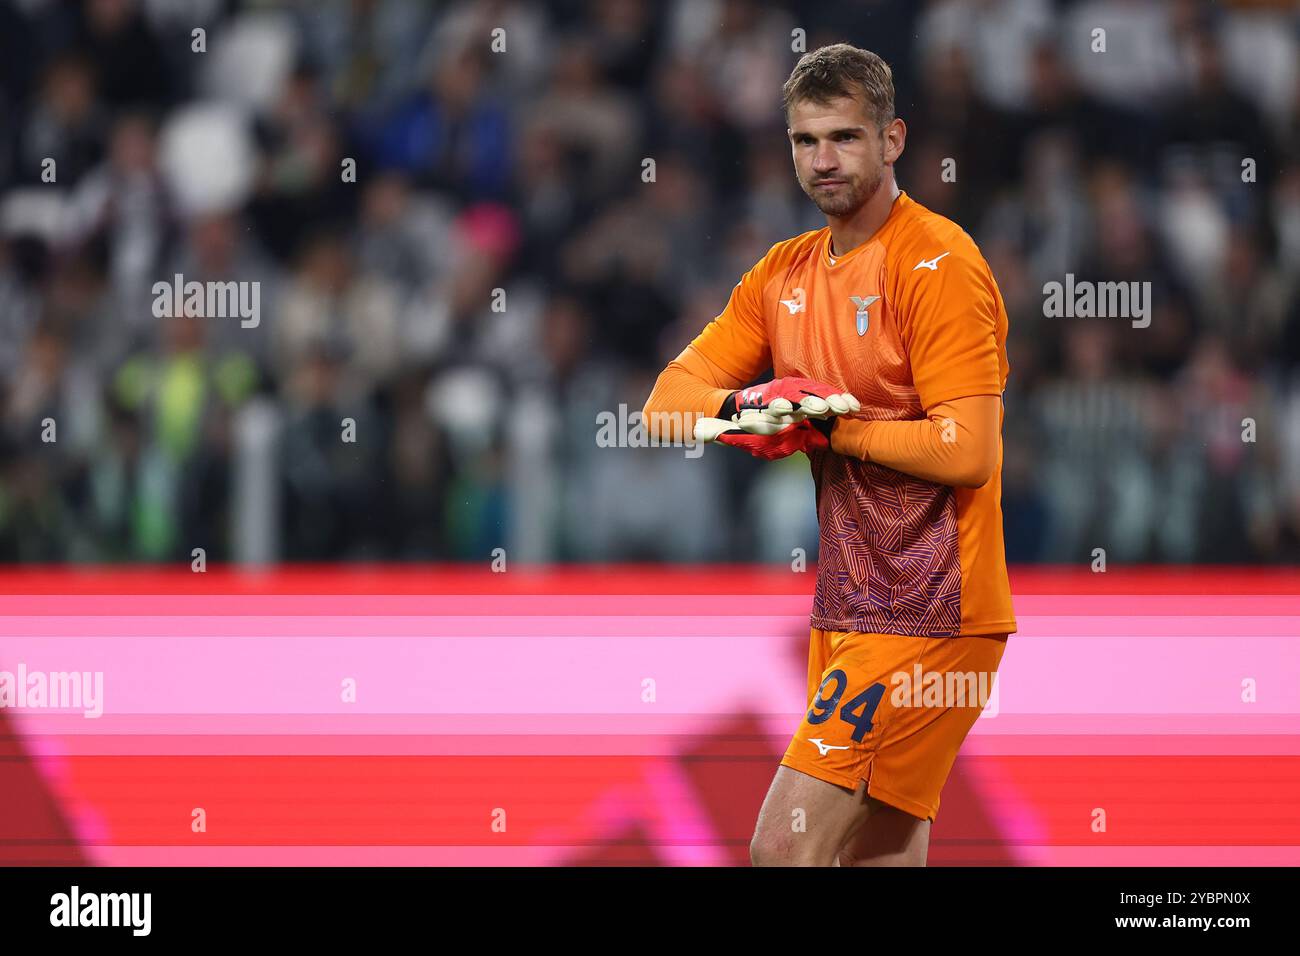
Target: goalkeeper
pixel 887 336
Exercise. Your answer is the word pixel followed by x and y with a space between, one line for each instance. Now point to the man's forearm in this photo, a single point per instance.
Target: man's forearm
pixel 957 444
pixel 689 388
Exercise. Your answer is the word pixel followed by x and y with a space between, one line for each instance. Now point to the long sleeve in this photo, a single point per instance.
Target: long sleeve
pixel 729 353
pixel 690 387
pixel 957 444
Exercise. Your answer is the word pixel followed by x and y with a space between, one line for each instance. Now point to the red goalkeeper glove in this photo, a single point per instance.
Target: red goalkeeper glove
pixel 799 397
pixel 779 418
pixel 749 431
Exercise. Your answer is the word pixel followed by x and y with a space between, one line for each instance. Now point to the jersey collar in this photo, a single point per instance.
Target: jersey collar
pixel 833 262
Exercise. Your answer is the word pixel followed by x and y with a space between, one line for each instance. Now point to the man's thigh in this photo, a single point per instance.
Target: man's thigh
pixel 805 821
pixel 887 837
pixel 809 822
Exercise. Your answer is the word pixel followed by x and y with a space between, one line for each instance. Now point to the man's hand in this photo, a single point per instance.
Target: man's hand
pixel 779 418
pixel 798 398
pixel 767 436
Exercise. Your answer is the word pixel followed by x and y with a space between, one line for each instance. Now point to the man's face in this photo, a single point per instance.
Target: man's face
pixel 839 154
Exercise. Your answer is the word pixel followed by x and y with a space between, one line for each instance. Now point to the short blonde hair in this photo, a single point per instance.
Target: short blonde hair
pixel 842 70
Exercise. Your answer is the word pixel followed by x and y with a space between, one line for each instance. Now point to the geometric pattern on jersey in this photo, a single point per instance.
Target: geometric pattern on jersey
pixel 887 558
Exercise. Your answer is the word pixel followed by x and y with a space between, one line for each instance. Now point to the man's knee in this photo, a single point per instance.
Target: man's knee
pixel 767 848
pixel 759 854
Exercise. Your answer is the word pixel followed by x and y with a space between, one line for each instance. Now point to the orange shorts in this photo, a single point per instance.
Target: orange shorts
pixel 892 710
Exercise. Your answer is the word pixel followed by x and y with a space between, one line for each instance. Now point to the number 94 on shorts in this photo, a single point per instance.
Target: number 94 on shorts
pixel 892 710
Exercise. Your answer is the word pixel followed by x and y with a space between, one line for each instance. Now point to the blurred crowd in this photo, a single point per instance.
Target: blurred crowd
pixel 462 259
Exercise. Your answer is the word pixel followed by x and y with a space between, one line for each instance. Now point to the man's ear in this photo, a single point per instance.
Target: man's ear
pixel 895 139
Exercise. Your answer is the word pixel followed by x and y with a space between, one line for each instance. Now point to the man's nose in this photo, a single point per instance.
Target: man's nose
pixel 824 158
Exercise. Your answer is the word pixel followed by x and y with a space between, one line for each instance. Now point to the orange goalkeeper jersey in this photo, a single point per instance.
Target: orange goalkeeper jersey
pixel 906 321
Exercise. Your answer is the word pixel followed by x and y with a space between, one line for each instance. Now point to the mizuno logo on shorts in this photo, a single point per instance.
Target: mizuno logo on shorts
pixel 824 748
